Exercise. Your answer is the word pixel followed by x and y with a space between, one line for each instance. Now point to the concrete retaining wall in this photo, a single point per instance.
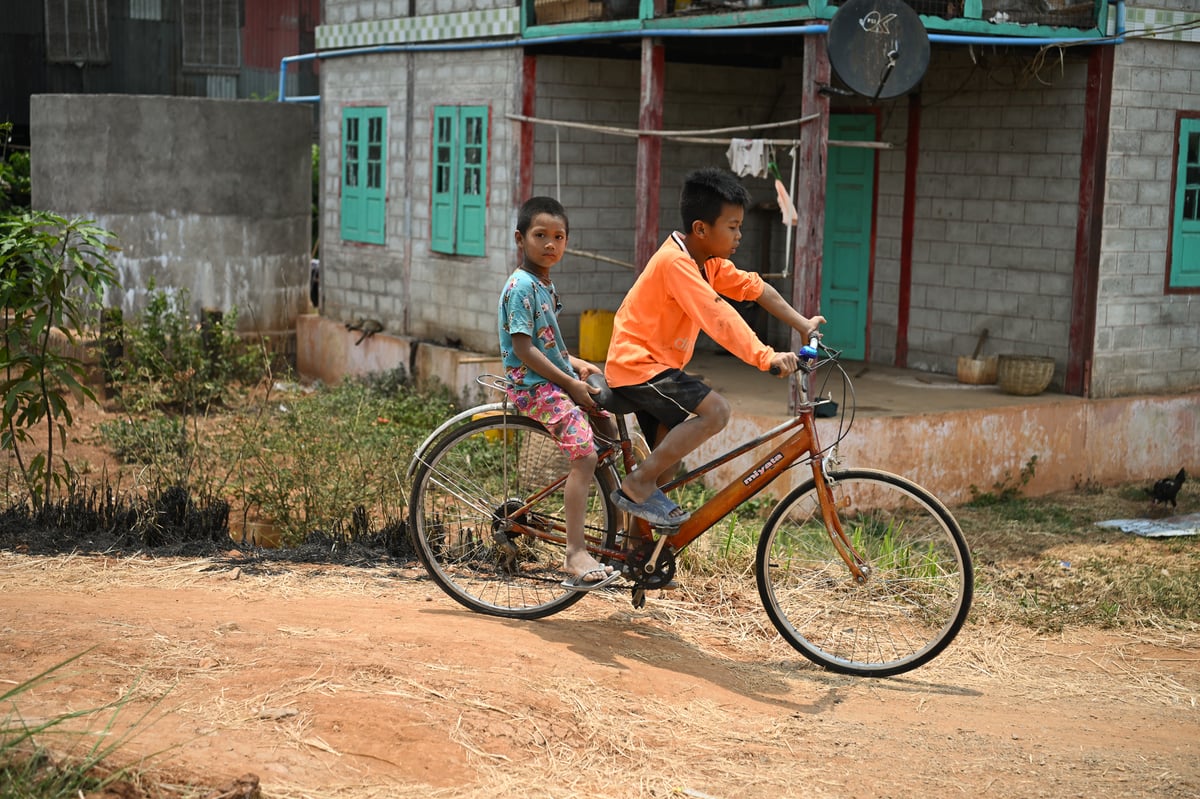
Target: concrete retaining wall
pixel 208 196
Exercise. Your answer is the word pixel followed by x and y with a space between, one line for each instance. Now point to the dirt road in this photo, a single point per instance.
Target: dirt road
pixel 343 682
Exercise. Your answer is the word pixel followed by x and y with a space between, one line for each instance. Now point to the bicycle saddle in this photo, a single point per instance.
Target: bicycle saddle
pixel 608 399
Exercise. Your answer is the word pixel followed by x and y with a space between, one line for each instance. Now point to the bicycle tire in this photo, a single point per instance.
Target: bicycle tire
pixel 916 596
pixel 465 486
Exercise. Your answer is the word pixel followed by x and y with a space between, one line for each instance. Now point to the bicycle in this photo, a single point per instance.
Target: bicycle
pixel 862 571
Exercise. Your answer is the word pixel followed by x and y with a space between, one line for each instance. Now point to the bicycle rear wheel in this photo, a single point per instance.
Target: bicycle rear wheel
pixel 917 592
pixel 467 523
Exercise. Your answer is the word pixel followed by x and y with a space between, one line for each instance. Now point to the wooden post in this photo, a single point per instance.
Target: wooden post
pixel 810 228
pixel 525 137
pixel 912 157
pixel 1085 284
pixel 649 153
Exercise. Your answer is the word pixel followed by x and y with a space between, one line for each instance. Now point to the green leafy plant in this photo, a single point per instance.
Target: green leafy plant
pixel 144 440
pixel 15 185
pixel 52 273
pixel 171 361
pixel 332 459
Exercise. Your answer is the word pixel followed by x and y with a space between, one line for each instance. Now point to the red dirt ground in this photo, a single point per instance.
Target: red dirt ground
pixel 330 682
pixel 344 682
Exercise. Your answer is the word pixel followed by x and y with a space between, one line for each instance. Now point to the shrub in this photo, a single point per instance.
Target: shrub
pixel 52 272
pixel 173 362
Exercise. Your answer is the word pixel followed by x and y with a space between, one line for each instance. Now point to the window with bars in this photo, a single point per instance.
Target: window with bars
pixel 364 165
pixel 212 35
pixel 1184 270
pixel 459 204
pixel 77 31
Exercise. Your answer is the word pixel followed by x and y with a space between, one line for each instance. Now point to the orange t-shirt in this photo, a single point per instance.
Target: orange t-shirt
pixel 655 328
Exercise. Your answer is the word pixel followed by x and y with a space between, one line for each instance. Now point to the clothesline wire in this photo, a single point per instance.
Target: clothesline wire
pixel 669 134
pixel 690 137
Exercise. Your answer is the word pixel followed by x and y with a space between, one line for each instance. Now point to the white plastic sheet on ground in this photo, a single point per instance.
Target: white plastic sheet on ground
pixel 1157 528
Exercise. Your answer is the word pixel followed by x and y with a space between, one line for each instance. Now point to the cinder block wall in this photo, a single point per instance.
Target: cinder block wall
pixel 1147 341
pixel 997 197
pixel 211 196
pixel 411 289
pixel 996 207
pixel 363 280
pixel 594 172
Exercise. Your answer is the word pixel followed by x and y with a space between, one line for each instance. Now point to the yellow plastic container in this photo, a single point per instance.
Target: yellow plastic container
pixel 494 436
pixel 595 332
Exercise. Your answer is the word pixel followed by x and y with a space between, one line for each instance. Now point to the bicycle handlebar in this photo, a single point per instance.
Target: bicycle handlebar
pixel 809 352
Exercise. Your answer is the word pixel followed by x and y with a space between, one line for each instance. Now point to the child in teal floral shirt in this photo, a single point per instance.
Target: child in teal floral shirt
pixel 547 381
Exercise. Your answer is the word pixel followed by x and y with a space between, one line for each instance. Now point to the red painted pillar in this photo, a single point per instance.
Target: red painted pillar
pixel 1081 343
pixel 912 156
pixel 649 153
pixel 525 136
pixel 810 173
pixel 814 141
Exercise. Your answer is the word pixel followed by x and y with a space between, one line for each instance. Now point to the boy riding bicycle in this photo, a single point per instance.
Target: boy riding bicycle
pixel 654 335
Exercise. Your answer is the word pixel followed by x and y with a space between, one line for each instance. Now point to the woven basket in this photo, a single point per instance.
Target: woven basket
pixel 1024 374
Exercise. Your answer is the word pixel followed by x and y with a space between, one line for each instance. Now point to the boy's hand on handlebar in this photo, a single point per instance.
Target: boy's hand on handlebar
pixel 814 323
pixel 784 363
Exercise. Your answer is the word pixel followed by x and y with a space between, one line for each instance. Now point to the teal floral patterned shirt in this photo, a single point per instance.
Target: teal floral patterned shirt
pixel 531 307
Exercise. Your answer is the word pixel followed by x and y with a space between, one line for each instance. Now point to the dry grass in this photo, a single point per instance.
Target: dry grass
pixel 1065 611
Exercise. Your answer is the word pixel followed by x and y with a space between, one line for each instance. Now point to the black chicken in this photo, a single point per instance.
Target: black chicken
pixel 1166 489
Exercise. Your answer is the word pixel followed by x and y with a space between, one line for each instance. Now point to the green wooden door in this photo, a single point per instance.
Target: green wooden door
pixel 849 213
pixel 1185 230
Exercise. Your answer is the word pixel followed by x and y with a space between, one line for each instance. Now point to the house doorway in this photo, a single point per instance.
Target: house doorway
pixel 849 219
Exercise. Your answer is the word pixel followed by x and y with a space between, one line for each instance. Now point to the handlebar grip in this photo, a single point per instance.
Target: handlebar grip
pixel 809 352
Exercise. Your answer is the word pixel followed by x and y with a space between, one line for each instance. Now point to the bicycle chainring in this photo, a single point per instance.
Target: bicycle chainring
pixel 662 572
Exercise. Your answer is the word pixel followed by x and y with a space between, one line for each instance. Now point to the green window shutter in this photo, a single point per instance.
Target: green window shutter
pixel 442 212
pixel 364 171
pixel 459 203
pixel 375 192
pixel 352 193
pixel 1185 238
pixel 472 199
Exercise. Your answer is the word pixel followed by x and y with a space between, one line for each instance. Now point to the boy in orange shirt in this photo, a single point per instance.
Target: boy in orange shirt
pixel 655 330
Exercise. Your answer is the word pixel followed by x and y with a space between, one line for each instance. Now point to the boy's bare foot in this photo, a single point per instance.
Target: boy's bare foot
pixel 586 568
pixel 585 577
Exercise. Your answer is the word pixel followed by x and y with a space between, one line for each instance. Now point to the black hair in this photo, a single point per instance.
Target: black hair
pixel 540 205
pixel 705 193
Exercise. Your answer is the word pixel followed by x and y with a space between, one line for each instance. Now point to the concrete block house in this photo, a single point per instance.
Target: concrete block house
pixel 1040 179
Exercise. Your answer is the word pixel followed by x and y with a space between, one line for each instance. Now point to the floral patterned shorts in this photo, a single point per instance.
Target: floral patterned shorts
pixel 558 413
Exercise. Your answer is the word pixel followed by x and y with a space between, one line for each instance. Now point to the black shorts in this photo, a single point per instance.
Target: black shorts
pixel 669 399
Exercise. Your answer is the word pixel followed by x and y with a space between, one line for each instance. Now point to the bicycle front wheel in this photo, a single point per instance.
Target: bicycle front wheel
pixel 486 517
pixel 918 582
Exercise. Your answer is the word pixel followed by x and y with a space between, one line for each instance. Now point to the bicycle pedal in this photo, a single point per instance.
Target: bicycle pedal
pixel 639 598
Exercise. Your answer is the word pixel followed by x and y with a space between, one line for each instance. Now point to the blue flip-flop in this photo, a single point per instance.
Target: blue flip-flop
pixel 659 510
pixel 578 583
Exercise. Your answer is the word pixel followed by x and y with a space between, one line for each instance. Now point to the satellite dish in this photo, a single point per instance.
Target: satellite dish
pixel 879 48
